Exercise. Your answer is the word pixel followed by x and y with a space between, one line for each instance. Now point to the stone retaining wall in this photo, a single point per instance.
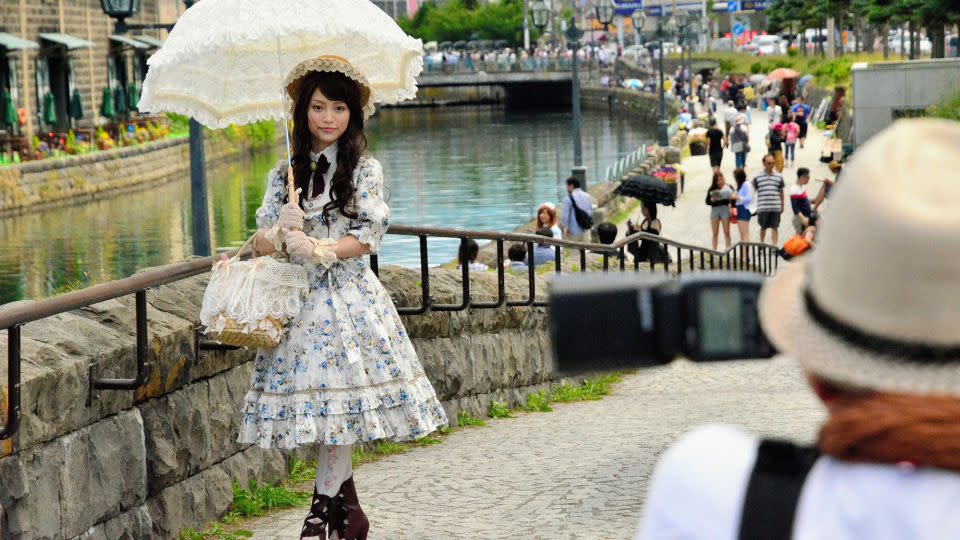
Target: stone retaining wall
pixel 150 463
pixel 71 179
pixel 644 105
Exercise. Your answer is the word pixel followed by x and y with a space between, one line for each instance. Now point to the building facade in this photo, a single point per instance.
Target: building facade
pixel 59 59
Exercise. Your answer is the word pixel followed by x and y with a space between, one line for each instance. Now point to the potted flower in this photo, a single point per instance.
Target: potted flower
pixel 698 142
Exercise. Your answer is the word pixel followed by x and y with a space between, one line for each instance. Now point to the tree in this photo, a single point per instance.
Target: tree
pixel 464 20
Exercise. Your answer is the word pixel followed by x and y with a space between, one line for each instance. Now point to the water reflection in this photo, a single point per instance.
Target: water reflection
pixel 478 168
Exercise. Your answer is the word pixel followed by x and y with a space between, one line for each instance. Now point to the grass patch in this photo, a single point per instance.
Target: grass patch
pixel 499 409
pixel 589 390
pixel 465 420
pixel 301 471
pixel 538 402
pixel 827 73
pixel 624 214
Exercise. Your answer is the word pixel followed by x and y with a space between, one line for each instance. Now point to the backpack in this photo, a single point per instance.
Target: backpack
pixel 584 220
pixel 796 245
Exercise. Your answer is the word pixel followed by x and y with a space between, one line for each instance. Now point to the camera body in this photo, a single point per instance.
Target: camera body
pixel 615 321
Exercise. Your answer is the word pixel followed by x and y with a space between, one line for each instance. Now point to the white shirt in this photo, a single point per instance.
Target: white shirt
pixel 316 204
pixel 699 485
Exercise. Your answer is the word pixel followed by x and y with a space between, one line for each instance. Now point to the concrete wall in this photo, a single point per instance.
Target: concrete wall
pixel 880 90
pixel 147 464
pixel 643 105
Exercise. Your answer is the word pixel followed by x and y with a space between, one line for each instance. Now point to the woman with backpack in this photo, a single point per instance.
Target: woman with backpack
pixel 743 201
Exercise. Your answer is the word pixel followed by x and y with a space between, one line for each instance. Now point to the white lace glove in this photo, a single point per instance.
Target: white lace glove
pixel 316 250
pixel 291 217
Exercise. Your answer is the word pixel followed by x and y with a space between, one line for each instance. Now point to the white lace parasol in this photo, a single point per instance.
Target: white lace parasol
pixel 222 62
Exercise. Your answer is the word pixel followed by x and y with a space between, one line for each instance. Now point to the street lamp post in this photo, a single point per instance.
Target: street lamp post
pixel 663 30
pixel 573 35
pixel 122 10
pixel 605 12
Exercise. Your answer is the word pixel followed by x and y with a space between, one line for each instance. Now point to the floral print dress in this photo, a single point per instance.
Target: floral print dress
pixel 346 371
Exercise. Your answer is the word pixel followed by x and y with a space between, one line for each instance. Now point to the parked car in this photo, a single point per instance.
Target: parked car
pixel 635 52
pixel 769 46
pixel 668 46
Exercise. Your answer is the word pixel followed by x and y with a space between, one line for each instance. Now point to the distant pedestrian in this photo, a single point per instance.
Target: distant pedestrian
pixel 775 144
pixel 774 111
pixel 576 216
pixel 716 141
pixel 729 118
pixel 718 198
pixel 517 256
pixel 547 217
pixel 791 132
pixel 801 113
pixel 769 187
pixel 543 253
pixel 799 200
pixel 740 142
pixel 468 254
pixel 648 250
pixel 824 193
pixel 606 233
pixel 744 203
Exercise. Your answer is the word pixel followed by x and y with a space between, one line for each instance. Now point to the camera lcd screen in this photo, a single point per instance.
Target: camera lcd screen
pixel 721 321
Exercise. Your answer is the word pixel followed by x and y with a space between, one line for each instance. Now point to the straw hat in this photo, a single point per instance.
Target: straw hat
pixel 876 305
pixel 328 63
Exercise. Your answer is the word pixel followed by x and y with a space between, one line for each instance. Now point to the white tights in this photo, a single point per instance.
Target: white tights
pixel 333 468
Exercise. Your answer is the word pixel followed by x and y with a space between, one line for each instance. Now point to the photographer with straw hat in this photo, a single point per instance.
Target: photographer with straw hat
pixel 877 338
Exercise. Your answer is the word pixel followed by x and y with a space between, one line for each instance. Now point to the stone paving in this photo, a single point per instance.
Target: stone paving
pixel 579 472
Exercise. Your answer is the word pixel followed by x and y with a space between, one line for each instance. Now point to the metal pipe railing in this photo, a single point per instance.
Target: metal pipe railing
pixel 761 258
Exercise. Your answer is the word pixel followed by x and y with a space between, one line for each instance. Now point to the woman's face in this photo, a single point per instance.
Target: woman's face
pixel 543 216
pixel 646 212
pixel 328 119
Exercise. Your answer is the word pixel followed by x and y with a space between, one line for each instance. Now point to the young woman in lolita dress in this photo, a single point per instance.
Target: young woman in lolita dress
pixel 346 372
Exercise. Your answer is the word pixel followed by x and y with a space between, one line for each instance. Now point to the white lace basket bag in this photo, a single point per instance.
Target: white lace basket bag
pixel 249 303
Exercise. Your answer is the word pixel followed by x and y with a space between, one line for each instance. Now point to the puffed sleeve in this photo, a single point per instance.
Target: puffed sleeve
pixel 373 214
pixel 269 211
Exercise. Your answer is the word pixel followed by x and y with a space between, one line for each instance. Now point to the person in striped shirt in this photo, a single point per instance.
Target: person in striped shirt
pixel 769 188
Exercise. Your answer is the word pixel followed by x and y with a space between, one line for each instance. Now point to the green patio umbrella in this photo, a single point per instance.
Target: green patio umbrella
pixel 120 100
pixel 106 104
pixel 76 105
pixel 49 109
pixel 133 96
pixel 8 113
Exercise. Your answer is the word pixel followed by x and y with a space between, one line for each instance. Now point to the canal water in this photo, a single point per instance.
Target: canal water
pixel 477 168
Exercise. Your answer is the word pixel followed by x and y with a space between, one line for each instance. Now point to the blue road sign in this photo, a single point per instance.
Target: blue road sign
pixel 738 29
pixel 733 6
pixel 627 7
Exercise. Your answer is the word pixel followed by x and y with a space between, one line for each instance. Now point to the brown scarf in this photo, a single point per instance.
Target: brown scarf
pixel 894 428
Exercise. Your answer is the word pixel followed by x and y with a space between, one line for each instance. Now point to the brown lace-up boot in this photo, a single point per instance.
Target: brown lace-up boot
pixel 347 518
pixel 315 526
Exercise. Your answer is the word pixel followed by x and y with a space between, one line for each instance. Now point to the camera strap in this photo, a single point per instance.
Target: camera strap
pixel 773 492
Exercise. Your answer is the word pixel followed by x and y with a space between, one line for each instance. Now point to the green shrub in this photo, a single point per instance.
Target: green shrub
pixel 465 420
pixel 792 53
pixel 499 409
pixel 727 65
pixel 538 402
pixel 948 107
pixel 262 134
pixel 756 67
pixel 178 123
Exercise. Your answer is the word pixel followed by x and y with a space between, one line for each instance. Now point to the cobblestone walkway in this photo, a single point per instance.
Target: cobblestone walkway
pixel 579 472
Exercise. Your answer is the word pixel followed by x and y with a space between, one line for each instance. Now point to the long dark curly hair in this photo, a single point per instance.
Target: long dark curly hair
pixel 351 145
